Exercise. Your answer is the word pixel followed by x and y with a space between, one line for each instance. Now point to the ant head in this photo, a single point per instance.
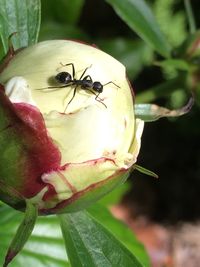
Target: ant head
pixel 98 87
pixel 63 77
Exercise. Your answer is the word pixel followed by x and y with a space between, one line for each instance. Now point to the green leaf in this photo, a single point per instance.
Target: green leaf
pixel 62 11
pixel 139 17
pixel 44 248
pixel 177 64
pixel 121 232
pixel 89 244
pixel 134 54
pixel 152 112
pixel 23 232
pixel 53 30
pixel 171 20
pixel 72 9
pixel 22 17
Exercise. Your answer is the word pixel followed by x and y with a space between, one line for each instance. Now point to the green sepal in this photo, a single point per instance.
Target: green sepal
pixel 23 232
pixel 145 171
pixel 152 112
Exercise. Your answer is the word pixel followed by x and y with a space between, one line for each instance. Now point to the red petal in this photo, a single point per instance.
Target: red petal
pixel 43 155
pixel 26 150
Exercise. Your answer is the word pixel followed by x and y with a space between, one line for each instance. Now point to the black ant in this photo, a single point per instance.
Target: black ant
pixel 85 83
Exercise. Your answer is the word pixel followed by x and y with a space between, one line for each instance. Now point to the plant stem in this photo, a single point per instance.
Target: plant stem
pixel 190 16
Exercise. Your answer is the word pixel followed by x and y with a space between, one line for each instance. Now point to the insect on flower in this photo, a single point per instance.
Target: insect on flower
pixel 85 82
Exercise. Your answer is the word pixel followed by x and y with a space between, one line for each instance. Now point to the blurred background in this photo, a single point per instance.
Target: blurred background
pixel 164 212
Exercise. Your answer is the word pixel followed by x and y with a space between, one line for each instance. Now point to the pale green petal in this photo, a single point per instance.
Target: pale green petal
pixel 98 142
pixel 88 129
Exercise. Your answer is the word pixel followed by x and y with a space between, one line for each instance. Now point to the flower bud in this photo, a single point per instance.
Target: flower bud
pixel 68 133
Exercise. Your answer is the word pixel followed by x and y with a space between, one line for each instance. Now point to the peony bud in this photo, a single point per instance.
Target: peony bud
pixel 64 156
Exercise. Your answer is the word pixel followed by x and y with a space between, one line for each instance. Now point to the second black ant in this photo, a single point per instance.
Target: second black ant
pixel 85 83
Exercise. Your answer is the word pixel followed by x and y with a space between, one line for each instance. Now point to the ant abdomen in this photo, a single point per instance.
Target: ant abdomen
pixel 63 77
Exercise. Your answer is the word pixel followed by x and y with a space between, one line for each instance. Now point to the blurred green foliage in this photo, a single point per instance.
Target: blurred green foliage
pixel 158 43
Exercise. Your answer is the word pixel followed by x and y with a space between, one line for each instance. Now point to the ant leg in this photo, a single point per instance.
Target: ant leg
pixel 74 93
pixel 73 68
pixel 112 83
pixel 54 87
pixel 86 78
pixel 85 72
pixel 97 98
